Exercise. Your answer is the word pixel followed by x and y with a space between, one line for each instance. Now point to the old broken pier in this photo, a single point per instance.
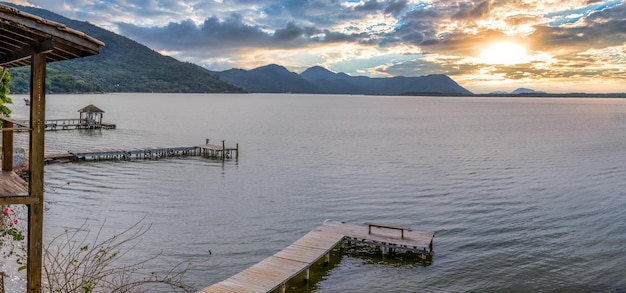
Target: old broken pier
pixel 206 150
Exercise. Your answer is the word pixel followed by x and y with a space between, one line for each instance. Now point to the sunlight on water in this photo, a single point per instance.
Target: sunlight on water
pixel 523 194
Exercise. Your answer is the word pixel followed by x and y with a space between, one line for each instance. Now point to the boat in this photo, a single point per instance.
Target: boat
pixel 27 102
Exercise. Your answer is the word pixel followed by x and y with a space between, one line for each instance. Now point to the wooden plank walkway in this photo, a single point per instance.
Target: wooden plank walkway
pixel 13 189
pixel 275 271
pixel 205 150
pixel 69 124
pixel 12 184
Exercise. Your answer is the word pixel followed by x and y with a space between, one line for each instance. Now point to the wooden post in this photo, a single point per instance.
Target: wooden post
pixel 223 149
pixel 307 274
pixel 283 288
pixel 237 157
pixel 207 141
pixel 7 146
pixel 2 282
pixel 36 145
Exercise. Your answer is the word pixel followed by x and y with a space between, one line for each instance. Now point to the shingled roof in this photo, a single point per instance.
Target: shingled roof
pixel 90 109
pixel 22 33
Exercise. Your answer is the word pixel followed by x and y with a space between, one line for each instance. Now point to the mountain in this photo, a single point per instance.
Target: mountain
pixel 318 80
pixel 268 79
pixel 123 65
pixel 522 90
pixel 335 83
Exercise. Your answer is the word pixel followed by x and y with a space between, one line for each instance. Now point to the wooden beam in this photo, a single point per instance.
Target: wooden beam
pixel 39 26
pixel 7 147
pixel 15 122
pixel 44 46
pixel 35 211
pixel 10 200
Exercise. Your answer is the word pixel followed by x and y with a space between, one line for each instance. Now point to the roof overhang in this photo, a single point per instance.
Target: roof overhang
pixel 22 34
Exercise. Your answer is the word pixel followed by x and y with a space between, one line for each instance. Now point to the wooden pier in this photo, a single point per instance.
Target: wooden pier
pixel 90 118
pixel 275 271
pixel 76 123
pixel 206 150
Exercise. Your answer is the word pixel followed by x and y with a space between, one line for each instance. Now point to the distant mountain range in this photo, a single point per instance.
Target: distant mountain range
pixel 124 65
pixel 318 80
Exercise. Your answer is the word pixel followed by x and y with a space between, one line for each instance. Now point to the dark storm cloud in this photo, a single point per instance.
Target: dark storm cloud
pixel 471 11
pixel 291 32
pixel 416 28
pixel 370 6
pixel 395 8
pixel 232 32
pixel 601 29
pixel 187 35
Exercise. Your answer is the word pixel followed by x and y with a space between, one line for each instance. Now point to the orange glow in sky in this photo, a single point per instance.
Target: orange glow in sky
pixel 484 45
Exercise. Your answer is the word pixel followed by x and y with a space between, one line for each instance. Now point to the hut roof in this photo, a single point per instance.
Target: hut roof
pixel 90 109
pixel 22 34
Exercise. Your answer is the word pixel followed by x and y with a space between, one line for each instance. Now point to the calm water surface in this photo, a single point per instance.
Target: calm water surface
pixel 524 194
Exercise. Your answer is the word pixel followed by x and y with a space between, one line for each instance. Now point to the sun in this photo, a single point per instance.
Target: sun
pixel 504 53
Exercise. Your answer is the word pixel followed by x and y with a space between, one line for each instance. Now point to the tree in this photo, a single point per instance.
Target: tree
pixel 4 91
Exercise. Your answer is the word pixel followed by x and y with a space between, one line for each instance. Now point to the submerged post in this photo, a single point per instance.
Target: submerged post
pixel 223 149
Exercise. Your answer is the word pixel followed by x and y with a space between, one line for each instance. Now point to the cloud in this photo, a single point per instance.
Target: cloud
pixel 471 11
pixel 563 38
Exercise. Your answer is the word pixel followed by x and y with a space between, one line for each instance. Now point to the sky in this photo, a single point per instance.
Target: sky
pixel 558 46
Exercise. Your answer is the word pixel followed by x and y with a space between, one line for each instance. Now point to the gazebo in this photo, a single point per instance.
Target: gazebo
pixel 29 40
pixel 91 116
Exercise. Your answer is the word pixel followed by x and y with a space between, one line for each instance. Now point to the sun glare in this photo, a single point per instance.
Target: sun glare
pixel 504 54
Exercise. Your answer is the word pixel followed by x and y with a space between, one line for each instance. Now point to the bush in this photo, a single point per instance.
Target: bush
pixel 74 264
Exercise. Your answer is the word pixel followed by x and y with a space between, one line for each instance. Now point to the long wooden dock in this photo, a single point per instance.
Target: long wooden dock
pixel 275 271
pixel 205 150
pixel 68 124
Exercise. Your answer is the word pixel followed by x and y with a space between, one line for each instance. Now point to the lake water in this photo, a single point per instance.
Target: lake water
pixel 524 194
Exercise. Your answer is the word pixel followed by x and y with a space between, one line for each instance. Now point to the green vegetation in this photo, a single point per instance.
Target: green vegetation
pixel 123 65
pixel 4 91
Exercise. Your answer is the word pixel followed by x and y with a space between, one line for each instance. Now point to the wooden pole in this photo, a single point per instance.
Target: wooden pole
pixel 2 282
pixel 307 274
pixel 223 149
pixel 7 147
pixel 36 145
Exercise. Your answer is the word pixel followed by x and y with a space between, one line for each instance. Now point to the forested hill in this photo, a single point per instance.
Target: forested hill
pixel 123 65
